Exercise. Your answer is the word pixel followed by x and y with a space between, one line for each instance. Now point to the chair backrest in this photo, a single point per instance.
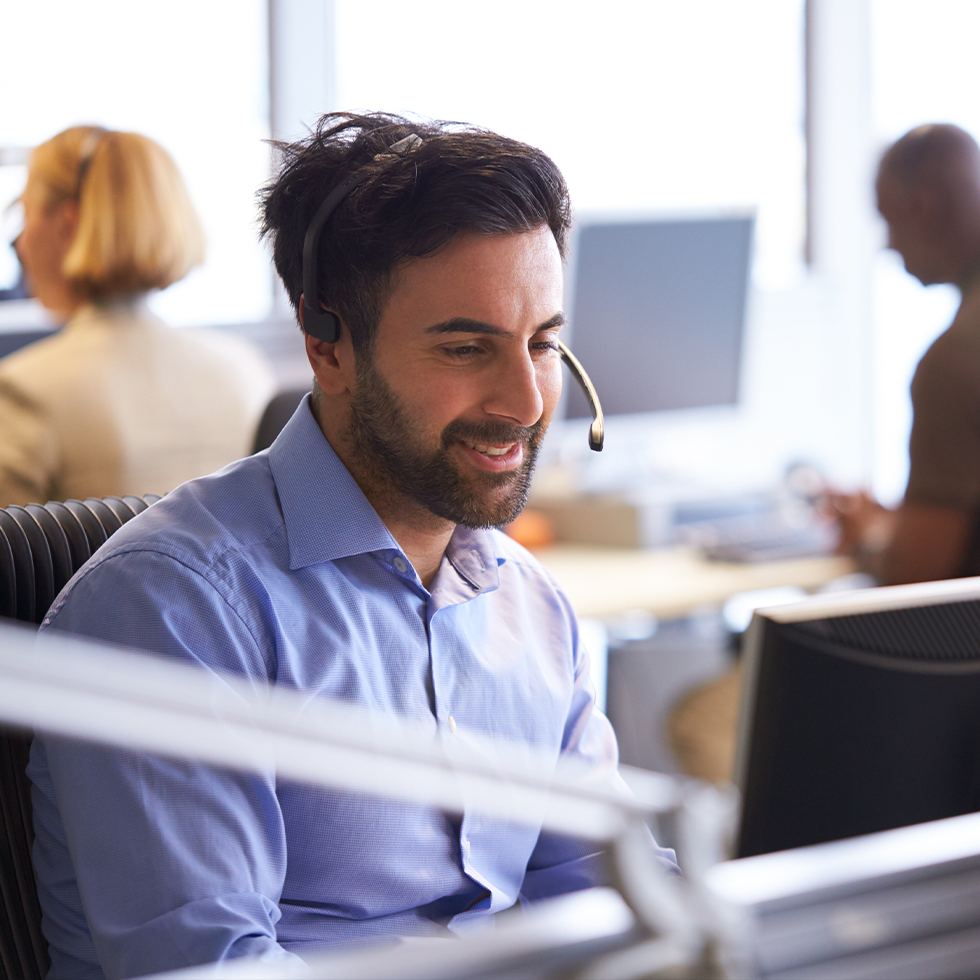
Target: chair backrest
pixel 277 413
pixel 23 949
pixel 41 547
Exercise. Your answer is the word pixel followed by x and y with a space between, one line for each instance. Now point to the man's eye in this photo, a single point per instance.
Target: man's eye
pixel 461 353
pixel 545 345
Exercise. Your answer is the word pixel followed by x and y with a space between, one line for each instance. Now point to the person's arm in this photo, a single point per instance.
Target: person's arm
pixel 929 535
pixel 561 864
pixel 176 863
pixel 917 542
pixel 927 543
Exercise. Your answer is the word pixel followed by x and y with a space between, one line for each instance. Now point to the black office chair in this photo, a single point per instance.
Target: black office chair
pixel 41 547
pixel 23 950
pixel 277 413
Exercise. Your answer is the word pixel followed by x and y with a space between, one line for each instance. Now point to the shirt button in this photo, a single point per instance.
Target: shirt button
pixel 452 724
pixel 400 564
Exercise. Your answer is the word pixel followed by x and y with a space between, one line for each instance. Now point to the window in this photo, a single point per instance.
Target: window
pixel 659 106
pixel 192 76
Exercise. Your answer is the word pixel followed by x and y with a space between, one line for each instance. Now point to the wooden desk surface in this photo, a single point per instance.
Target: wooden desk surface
pixel 670 582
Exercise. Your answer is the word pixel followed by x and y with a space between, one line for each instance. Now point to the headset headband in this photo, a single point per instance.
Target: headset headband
pixel 318 323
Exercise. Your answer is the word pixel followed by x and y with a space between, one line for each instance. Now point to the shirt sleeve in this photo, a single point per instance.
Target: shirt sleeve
pixel 28 448
pixel 944 448
pixel 562 864
pixel 176 863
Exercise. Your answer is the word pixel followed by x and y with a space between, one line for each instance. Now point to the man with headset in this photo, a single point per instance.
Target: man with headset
pixel 357 558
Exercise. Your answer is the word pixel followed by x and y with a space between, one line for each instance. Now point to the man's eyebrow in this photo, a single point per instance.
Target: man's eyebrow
pixel 463 324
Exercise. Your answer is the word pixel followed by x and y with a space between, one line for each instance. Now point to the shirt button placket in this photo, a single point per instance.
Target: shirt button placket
pixel 441 683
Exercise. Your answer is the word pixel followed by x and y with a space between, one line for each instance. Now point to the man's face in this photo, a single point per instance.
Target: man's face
pixel 462 379
pixel 911 230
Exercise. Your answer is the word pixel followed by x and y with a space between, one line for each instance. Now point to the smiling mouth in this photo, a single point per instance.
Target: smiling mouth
pixel 490 450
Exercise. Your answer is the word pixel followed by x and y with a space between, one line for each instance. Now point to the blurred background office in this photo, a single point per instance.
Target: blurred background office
pixel 648 107
pixel 775 109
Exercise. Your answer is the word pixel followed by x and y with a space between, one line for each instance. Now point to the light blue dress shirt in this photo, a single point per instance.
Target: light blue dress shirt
pixel 277 568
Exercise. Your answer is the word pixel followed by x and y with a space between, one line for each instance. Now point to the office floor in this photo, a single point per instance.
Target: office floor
pixel 647 677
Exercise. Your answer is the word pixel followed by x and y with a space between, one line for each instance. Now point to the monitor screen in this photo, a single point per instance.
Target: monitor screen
pixel 860 713
pixel 657 310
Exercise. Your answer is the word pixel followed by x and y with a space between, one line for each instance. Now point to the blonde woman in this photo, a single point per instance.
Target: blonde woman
pixel 117 402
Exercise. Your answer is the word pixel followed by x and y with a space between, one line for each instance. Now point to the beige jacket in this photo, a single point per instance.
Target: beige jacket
pixel 117 402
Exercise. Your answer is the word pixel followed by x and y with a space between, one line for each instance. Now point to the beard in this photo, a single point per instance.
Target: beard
pixel 394 462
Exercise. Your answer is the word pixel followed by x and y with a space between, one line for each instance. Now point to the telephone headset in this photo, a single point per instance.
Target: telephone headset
pixel 325 325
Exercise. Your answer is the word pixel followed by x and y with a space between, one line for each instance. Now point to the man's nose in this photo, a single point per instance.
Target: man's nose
pixel 516 390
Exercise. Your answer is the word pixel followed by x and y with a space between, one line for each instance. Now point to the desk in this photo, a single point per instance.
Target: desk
pixel 645 679
pixel 670 582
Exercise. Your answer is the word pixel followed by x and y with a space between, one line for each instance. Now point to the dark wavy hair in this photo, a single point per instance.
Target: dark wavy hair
pixel 459 179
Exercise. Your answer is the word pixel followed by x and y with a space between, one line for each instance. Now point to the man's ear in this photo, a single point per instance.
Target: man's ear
pixel 332 364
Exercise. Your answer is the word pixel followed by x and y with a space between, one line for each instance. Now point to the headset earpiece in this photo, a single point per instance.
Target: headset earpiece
pixel 321 324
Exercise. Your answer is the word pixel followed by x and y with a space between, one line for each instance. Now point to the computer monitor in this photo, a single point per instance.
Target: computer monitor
pixel 860 712
pixel 657 310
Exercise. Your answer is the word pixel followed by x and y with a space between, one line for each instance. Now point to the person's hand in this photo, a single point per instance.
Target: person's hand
pixel 865 526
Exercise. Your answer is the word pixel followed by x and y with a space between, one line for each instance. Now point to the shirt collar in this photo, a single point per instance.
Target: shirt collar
pixel 328 517
pixel 326 514
pixel 472 554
